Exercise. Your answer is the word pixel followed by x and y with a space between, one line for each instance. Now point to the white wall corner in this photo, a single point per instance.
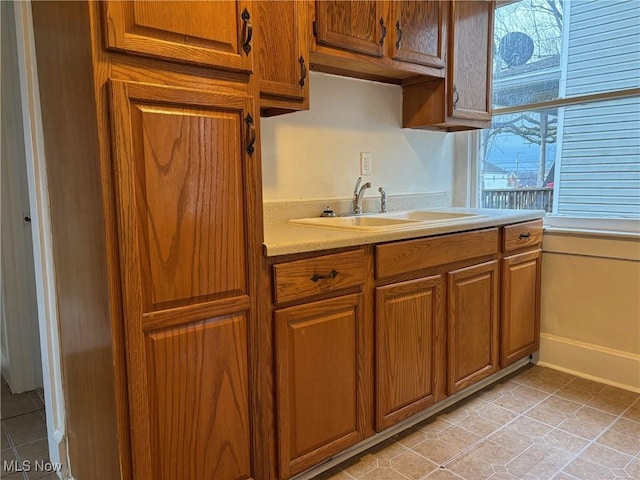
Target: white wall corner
pixel 601 364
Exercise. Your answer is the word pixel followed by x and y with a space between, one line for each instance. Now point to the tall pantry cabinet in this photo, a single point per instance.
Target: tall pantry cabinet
pixel 150 119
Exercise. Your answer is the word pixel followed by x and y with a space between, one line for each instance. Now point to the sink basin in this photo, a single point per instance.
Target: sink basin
pixel 433 216
pixel 367 223
pixel 389 221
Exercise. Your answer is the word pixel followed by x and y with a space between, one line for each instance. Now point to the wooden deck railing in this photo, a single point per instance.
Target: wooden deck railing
pixel 519 198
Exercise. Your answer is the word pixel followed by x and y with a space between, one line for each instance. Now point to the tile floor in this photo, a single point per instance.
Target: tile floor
pixel 535 424
pixel 24 434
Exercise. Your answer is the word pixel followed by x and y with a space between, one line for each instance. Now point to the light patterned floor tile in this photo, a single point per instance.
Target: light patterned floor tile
pixel 538 423
pixel 606 456
pixel 565 441
pixel 384 474
pixel 471 468
pixel 586 470
pixel 540 461
pixel 412 465
pixel 387 450
pixel 621 442
pixel 436 450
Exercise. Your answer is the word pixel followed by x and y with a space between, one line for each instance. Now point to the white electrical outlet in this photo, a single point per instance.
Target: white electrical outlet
pixel 365 163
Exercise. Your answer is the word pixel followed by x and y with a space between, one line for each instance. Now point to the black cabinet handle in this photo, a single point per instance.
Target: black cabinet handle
pixel 456 96
pixel 525 235
pixel 399 35
pixel 384 31
pixel 331 274
pixel 246 46
pixel 252 134
pixel 303 71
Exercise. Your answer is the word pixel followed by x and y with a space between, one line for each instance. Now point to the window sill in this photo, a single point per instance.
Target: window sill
pixel 593 227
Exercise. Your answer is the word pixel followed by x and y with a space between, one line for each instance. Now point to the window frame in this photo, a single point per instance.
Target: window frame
pixel 603 225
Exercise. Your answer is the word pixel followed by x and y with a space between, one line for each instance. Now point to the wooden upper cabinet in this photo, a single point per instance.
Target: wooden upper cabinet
pixel 356 26
pixel 417 32
pixel 282 51
pixel 181 160
pixel 462 100
pixel 470 61
pixel 212 33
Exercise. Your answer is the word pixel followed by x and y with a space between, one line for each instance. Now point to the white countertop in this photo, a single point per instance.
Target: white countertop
pixel 286 238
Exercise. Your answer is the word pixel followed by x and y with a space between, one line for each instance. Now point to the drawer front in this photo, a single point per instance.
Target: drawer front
pixel 319 275
pixel 413 255
pixel 522 235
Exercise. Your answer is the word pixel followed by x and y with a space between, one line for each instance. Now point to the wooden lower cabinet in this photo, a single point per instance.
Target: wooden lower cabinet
pixel 410 348
pixel 472 324
pixel 321 378
pixel 520 322
pixel 198 400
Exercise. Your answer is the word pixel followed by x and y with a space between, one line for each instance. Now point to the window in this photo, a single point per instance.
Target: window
pixel 565 134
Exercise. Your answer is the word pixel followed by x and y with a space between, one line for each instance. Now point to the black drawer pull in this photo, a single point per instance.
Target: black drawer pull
pixel 331 274
pixel 525 235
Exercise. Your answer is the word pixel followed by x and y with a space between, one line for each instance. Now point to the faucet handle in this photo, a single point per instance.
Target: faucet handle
pixel 383 200
pixel 355 190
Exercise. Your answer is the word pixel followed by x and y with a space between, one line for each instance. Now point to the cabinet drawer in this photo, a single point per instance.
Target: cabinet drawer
pixel 413 255
pixel 319 275
pixel 522 235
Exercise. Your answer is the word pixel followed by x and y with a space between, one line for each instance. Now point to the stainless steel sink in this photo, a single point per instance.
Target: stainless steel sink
pixel 389 221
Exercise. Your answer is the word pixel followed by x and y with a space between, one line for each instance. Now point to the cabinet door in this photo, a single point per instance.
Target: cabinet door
pixel 283 53
pixel 182 176
pixel 410 348
pixel 417 33
pixel 215 33
pixel 520 323
pixel 470 60
pixel 357 26
pixel 320 379
pixel 472 324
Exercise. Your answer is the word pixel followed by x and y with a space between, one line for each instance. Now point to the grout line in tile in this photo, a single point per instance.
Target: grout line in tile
pixel 506 425
pixel 595 440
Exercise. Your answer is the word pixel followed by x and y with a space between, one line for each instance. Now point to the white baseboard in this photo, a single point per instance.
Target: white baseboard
pixel 587 360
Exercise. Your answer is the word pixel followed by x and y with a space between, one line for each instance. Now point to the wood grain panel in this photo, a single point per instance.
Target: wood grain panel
pixel 472 324
pixel 76 151
pixel 520 319
pixel 283 53
pixel 294 280
pixel 413 255
pixel 351 25
pixel 318 380
pixel 410 348
pixel 210 33
pixel 199 400
pixel 181 157
pixel 522 235
pixel 200 159
pixel 417 32
pixel 470 63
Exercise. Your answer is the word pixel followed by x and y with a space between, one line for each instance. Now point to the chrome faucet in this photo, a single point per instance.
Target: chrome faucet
pixel 357 196
pixel 383 200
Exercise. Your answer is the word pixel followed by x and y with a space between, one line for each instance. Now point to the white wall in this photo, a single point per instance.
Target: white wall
pixel 21 362
pixel 316 154
pixel 590 315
